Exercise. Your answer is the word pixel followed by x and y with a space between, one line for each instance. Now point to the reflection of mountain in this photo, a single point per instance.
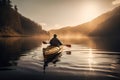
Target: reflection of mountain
pixel 104 25
pixel 110 44
pixel 107 44
pixel 14 24
pixel 12 48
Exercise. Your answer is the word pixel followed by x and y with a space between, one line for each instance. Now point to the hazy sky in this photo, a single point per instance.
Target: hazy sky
pixel 60 13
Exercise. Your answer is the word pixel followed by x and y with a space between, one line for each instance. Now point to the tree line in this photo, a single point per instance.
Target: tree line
pixel 7 3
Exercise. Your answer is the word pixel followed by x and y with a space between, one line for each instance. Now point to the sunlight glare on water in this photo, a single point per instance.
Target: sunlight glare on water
pixel 85 59
pixel 82 58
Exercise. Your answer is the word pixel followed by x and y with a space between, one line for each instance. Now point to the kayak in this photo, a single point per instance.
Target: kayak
pixel 52 50
pixel 53 58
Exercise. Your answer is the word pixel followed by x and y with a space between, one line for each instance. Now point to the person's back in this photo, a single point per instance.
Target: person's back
pixel 55 41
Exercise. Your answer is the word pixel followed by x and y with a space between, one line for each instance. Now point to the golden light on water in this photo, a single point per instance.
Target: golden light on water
pixel 91 59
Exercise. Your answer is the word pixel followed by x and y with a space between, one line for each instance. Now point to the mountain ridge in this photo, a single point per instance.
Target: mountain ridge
pixel 91 28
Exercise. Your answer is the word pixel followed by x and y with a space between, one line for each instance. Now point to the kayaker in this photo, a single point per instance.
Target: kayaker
pixel 55 41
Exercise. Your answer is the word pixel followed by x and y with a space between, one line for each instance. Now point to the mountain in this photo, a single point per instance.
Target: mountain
pixel 30 27
pixel 107 24
pixel 12 23
pixel 110 27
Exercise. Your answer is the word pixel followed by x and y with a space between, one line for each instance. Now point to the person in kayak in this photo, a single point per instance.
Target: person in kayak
pixel 55 41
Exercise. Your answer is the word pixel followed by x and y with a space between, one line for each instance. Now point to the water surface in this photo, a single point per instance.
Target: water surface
pixel 87 59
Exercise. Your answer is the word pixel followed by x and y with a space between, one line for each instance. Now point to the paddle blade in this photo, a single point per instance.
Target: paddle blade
pixel 68 45
pixel 44 42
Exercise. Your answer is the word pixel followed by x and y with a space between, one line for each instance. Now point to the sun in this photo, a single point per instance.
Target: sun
pixel 90 10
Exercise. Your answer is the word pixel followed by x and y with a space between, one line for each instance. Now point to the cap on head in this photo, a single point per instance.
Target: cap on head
pixel 55 35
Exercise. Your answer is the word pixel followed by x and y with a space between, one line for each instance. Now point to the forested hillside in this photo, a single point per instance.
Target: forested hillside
pixel 12 23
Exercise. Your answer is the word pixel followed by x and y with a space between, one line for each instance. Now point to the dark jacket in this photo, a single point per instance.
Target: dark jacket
pixel 55 42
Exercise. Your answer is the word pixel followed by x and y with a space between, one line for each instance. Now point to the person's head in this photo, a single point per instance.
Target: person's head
pixel 55 35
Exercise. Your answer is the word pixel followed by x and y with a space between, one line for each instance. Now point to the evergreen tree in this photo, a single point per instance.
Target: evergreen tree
pixel 0 3
pixel 15 7
pixel 4 2
pixel 9 3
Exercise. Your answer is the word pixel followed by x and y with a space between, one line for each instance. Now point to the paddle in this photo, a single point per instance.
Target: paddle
pixel 67 45
pixel 44 42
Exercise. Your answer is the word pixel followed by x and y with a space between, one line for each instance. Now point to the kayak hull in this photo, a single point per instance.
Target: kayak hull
pixel 52 50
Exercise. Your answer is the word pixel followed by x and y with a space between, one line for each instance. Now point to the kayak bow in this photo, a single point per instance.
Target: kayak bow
pixel 52 50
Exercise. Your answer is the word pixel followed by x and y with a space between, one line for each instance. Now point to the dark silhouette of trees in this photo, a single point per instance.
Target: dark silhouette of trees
pixel 15 7
pixel 29 26
pixel 5 3
pixel 9 3
pixel 13 23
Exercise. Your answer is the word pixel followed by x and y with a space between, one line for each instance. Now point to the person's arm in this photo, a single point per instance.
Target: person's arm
pixel 51 41
pixel 59 42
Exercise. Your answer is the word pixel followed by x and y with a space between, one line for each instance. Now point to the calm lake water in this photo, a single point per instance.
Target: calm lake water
pixel 87 59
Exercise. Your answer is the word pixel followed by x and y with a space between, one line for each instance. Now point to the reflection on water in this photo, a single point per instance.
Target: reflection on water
pixel 12 48
pixel 87 57
pixel 54 58
pixel 109 44
pixel 90 59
